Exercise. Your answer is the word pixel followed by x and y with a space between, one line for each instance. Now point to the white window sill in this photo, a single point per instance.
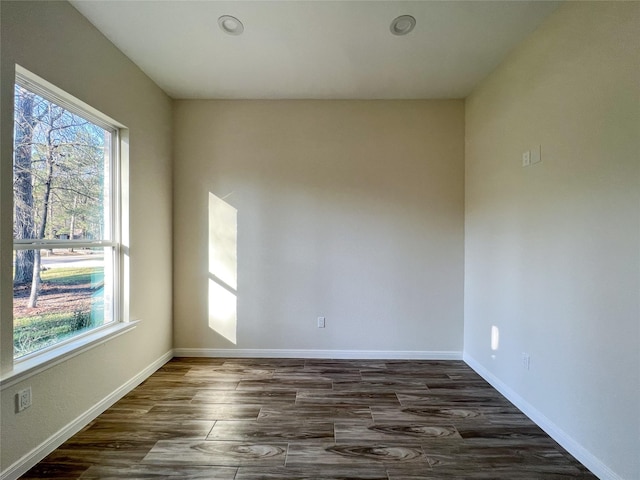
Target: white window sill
pixel 23 369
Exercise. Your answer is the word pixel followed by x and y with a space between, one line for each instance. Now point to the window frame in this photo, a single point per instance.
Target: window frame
pixel 118 322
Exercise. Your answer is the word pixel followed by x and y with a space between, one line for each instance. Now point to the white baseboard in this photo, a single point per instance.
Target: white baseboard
pixel 336 354
pixel 594 464
pixel 21 466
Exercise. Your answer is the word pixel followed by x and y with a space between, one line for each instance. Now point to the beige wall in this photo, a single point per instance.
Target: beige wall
pixel 551 250
pixel 54 41
pixel 352 210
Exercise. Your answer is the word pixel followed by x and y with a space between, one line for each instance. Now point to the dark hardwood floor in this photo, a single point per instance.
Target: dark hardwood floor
pixel 248 419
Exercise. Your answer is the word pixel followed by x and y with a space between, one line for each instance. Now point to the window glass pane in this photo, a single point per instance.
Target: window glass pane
pixel 63 193
pixel 60 174
pixel 75 295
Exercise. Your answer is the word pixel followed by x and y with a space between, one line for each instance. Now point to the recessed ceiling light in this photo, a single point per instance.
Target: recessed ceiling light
pixel 230 25
pixel 402 25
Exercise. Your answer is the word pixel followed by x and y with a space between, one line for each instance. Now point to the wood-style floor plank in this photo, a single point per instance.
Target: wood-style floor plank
pixel 311 419
pixel 327 473
pixel 157 472
pixel 310 455
pixel 398 434
pixel 315 413
pixel 216 453
pixel 280 431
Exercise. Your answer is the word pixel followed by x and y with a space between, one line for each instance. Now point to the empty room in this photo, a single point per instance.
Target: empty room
pixel 390 240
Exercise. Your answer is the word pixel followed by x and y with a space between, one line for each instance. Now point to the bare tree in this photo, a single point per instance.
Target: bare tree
pixel 24 227
pixel 58 157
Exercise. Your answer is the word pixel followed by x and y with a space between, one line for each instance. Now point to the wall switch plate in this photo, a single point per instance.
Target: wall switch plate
pixel 535 155
pixel 23 399
pixel 321 322
pixel 526 158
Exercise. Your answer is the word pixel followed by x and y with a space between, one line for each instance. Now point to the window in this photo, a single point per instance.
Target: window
pixel 66 221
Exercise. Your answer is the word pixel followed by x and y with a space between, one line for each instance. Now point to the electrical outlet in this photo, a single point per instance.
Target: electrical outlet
pixel 23 399
pixel 526 361
pixel 526 158
pixel 320 322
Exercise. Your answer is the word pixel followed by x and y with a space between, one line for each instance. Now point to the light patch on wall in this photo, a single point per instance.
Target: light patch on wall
pixel 223 268
pixel 495 338
pixel 222 311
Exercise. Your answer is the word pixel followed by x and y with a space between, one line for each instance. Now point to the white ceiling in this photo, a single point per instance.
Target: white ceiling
pixel 316 49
